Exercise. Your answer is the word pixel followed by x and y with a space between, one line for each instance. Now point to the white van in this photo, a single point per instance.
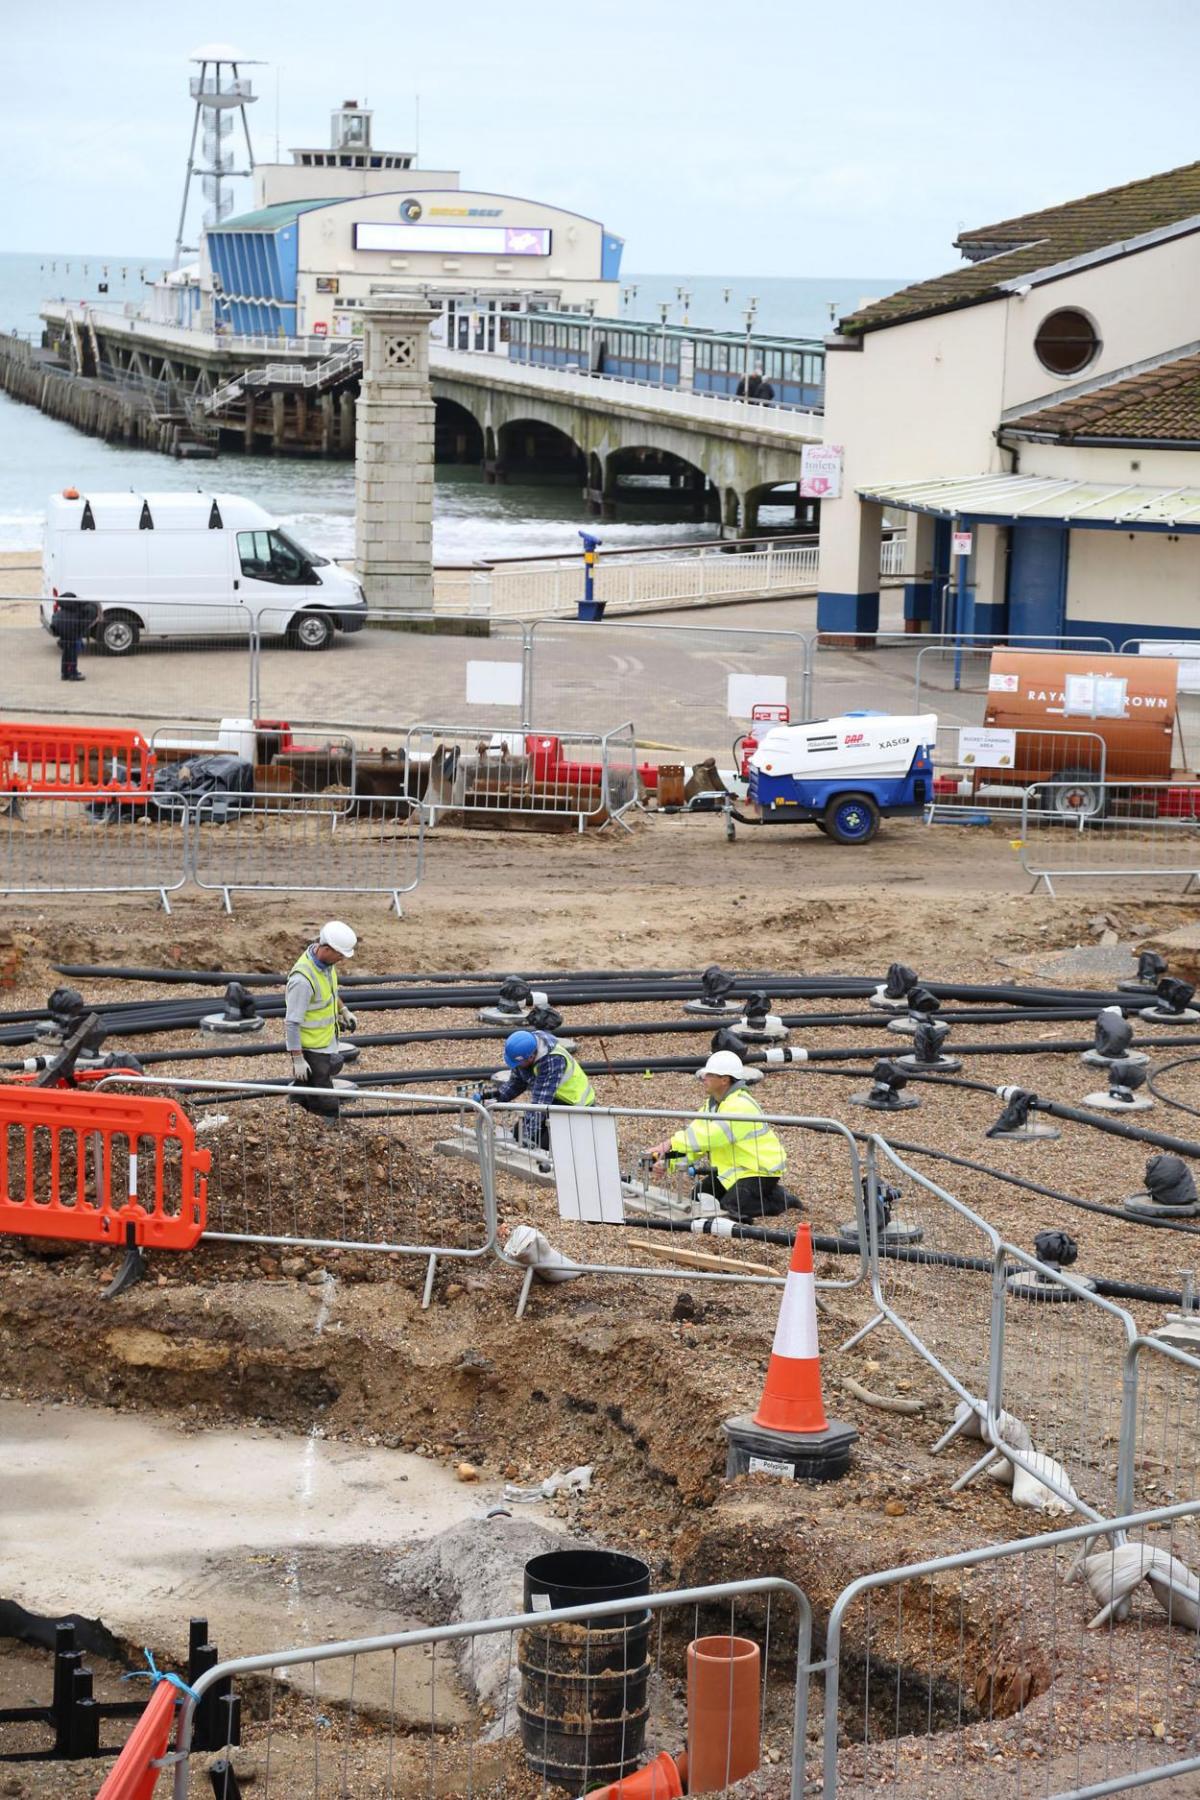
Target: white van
pixel 193 566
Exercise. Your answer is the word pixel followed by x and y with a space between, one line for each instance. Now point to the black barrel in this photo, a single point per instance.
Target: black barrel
pixel 582 1704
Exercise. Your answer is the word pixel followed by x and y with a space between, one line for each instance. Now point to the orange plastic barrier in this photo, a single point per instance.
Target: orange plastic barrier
pixel 100 1168
pixel 74 759
pixel 132 1776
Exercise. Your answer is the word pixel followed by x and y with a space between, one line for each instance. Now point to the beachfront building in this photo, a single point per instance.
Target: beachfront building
pixel 1034 417
pixel 345 219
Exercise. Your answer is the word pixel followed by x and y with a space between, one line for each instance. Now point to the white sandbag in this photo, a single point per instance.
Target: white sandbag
pixel 527 1245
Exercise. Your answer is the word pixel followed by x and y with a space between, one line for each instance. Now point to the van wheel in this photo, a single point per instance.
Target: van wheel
pixel 310 631
pixel 117 634
pixel 851 819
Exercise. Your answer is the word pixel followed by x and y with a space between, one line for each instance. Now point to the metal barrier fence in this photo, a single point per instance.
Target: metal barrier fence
pixel 690 689
pixel 269 1182
pixel 227 843
pixel 323 844
pixel 285 760
pixel 74 759
pixel 1162 1461
pixel 990 1673
pixel 931 1263
pixel 390 1715
pixel 457 770
pixel 122 844
pixel 961 666
pixel 1149 829
pixel 592 1173
pixel 1072 762
pixel 1077 1416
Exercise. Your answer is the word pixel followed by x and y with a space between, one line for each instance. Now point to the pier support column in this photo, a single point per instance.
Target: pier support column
pixel 346 423
pixel 248 424
pixel 394 464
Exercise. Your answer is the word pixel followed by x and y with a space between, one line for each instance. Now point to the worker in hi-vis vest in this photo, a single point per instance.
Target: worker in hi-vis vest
pixel 550 1075
pixel 314 1014
pixel 735 1154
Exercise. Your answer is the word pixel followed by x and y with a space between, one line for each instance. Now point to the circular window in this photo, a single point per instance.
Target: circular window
pixel 1066 341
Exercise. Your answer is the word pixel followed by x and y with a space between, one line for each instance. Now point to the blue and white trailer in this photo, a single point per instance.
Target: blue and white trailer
pixel 843 774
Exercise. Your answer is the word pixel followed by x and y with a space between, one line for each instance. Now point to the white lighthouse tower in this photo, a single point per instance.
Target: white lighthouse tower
pixel 219 91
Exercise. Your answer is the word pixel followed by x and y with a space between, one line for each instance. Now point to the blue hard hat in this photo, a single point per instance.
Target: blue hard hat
pixel 520 1047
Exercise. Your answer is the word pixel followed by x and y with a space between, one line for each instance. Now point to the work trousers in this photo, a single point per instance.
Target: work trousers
pixel 323 1066
pixel 750 1197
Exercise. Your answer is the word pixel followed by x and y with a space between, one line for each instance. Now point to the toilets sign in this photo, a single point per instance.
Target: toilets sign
pixel 821 472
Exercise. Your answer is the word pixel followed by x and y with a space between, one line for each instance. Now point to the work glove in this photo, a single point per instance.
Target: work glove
pixel 347 1021
pixel 482 1095
pixel 300 1069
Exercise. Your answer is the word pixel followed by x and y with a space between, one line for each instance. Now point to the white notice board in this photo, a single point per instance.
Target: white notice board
pixel 1186 652
pixel 981 747
pixel 494 684
pixel 745 692
pixel 587 1170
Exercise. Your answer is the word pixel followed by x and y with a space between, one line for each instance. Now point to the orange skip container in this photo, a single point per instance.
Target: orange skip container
pixel 723 1678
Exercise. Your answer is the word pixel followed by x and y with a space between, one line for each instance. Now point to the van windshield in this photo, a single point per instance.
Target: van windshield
pixel 309 556
pixel 274 556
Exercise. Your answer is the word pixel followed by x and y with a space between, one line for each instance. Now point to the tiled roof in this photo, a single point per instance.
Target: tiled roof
pixel 1036 240
pixel 1159 404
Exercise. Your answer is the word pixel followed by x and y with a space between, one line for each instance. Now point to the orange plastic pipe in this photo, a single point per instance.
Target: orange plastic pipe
pixel 723 1678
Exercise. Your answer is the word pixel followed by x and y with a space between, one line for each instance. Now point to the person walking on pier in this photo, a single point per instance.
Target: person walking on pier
pixel 313 1013
pixel 71 621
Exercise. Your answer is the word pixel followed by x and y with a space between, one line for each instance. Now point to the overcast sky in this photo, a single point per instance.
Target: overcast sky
pixel 775 138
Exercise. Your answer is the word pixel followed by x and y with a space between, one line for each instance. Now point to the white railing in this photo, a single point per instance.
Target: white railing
pixel 759 417
pixel 639 583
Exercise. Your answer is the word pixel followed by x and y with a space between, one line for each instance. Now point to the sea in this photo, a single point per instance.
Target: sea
pixel 39 456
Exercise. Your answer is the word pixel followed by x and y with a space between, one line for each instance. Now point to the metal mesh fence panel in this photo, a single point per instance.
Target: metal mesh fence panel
pixel 997 1673
pixel 323 843
pixel 1148 830
pixel 538 1703
pixel 121 844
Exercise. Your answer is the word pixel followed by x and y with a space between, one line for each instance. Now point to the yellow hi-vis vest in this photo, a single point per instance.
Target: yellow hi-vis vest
pixel 575 1088
pixel 733 1138
pixel 318 1028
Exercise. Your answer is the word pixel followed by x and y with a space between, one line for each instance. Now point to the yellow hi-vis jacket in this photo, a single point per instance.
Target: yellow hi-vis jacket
pixel 575 1088
pixel 318 1029
pixel 732 1136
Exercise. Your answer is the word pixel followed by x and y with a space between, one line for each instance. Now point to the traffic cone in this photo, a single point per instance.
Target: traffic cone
pixel 790 1435
pixel 659 1780
pixel 791 1398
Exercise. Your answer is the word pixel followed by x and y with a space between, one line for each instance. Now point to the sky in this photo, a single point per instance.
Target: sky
pixel 782 138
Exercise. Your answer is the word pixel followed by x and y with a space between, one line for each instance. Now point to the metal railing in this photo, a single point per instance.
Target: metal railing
pixel 1146 829
pixel 305 843
pixel 393 1195
pixel 457 770
pixel 986 1673
pixel 1038 762
pixel 590 1174
pixel 968 656
pixel 156 843
pixel 627 1714
pixel 762 418
pixel 1161 1464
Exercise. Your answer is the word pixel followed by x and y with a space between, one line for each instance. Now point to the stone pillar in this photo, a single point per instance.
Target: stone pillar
pixel 394 461
pixel 918 570
pixel 848 584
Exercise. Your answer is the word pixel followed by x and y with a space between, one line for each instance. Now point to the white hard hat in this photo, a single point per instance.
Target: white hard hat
pixel 338 935
pixel 725 1062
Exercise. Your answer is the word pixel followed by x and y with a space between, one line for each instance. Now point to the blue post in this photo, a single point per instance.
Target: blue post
pixel 590 608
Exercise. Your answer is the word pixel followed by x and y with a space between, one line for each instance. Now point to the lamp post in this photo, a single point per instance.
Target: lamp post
pixel 591 349
pixel 664 307
pixel 751 313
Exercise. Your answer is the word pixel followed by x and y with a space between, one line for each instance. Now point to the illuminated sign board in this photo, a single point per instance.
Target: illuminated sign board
pixel 455 240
